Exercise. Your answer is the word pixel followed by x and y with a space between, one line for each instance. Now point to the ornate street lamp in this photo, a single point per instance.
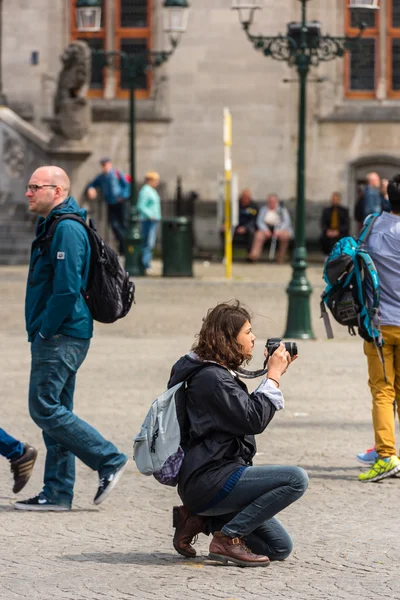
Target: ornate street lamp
pixel 246 9
pixel 175 23
pixel 88 15
pixel 176 15
pixel 303 47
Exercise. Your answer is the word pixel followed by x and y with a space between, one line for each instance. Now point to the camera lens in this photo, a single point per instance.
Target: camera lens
pixel 291 347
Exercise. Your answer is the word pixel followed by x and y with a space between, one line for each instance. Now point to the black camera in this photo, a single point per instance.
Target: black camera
pixel 273 343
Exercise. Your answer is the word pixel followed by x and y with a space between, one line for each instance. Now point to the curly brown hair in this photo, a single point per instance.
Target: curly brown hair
pixel 217 338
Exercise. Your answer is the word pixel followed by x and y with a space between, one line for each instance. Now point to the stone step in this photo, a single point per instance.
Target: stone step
pixel 14 259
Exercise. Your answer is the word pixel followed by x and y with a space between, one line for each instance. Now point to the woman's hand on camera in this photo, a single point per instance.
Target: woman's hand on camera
pixel 279 362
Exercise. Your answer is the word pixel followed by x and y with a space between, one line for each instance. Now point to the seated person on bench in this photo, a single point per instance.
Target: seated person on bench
pixel 246 227
pixel 273 223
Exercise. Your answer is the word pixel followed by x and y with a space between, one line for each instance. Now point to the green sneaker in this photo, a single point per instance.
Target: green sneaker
pixel 383 467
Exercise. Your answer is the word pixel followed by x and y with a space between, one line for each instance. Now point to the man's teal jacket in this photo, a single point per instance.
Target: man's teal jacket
pixel 57 274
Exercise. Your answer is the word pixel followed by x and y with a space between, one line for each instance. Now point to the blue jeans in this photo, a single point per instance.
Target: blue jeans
pixel 249 509
pixel 55 363
pixel 9 446
pixel 149 236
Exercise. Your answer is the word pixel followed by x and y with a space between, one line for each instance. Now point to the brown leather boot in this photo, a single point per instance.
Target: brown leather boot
pixel 187 527
pixel 226 549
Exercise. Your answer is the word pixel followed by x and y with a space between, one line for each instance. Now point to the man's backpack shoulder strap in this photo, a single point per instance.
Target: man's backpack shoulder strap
pixel 366 230
pixel 56 220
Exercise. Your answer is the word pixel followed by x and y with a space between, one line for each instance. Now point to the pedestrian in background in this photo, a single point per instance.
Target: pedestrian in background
pixel 149 209
pixel 335 223
pixel 59 326
pixel 273 223
pixel 115 188
pixel 372 202
pixel 22 458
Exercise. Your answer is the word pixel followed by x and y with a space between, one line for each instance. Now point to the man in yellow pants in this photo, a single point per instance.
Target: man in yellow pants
pixel 383 246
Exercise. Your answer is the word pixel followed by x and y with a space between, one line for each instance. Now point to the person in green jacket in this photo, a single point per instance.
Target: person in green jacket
pixel 149 209
pixel 60 326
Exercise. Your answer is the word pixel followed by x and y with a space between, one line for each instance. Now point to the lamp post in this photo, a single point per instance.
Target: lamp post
pixel 175 24
pixel 303 47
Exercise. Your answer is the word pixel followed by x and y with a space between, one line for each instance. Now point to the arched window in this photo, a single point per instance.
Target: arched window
pixel 372 68
pixel 126 27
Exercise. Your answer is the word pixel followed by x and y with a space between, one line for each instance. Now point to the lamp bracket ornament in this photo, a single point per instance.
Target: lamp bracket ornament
pixel 291 49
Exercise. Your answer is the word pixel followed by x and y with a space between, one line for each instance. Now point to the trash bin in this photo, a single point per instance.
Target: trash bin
pixel 177 243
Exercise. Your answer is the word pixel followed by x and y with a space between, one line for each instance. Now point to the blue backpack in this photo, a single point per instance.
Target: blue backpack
pixel 349 271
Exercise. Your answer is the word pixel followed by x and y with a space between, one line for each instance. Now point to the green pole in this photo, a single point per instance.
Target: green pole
pixel 133 241
pixel 298 323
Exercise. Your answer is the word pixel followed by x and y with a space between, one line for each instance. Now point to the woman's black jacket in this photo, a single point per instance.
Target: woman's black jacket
pixel 218 427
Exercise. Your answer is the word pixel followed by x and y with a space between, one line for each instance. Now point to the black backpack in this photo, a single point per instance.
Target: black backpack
pixel 109 293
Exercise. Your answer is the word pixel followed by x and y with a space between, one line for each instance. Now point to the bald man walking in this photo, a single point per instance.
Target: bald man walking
pixel 59 326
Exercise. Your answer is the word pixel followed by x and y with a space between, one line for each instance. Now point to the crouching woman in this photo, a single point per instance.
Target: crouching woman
pixel 222 492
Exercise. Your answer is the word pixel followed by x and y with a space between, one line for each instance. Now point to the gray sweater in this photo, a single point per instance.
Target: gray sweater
pixel 285 222
pixel 383 245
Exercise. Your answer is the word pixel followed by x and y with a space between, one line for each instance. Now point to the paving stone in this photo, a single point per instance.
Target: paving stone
pixel 345 533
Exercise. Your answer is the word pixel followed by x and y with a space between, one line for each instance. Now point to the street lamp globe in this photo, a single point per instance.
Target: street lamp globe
pixel 88 15
pixel 374 4
pixel 176 15
pixel 246 9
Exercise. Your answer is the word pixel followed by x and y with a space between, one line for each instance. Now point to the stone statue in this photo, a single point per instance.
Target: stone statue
pixel 72 113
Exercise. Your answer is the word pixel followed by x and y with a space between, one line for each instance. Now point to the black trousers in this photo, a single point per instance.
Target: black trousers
pixel 116 219
pixel 327 244
pixel 240 238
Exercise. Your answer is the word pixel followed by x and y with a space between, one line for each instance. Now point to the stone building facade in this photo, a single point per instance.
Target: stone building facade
pixel 353 113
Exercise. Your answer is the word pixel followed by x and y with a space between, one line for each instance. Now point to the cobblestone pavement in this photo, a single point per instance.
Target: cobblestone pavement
pixel 345 533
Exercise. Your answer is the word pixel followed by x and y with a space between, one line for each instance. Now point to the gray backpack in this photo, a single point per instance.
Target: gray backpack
pixel 157 447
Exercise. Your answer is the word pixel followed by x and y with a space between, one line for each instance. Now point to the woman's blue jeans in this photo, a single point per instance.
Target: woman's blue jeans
pixel 249 509
pixel 55 363
pixel 149 236
pixel 9 446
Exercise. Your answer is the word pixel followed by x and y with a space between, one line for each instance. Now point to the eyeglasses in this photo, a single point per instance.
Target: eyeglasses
pixel 32 187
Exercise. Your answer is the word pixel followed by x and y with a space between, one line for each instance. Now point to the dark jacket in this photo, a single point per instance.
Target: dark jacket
pixel 248 216
pixel 344 222
pixel 113 185
pixel 222 421
pixel 54 303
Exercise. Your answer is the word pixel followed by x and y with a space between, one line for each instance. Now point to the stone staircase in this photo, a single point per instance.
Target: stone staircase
pixel 23 148
pixel 17 230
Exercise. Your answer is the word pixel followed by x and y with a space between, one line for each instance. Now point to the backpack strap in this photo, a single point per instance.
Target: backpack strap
pixel 368 264
pixel 366 230
pixel 46 241
pixel 325 317
pixel 199 368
